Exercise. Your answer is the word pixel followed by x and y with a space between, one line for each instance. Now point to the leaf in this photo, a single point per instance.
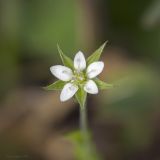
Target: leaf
pixel 96 55
pixel 65 59
pixel 58 85
pixel 103 85
pixel 81 96
pixel 81 150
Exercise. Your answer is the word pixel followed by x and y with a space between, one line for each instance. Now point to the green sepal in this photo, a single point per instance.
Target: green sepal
pixel 65 59
pixel 103 85
pixel 96 55
pixel 58 85
pixel 81 96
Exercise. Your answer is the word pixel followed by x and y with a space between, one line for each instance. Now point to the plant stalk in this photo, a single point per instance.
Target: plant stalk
pixel 83 122
pixel 84 126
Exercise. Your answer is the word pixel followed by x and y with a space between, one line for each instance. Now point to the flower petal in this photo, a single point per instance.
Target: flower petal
pixel 68 91
pixel 95 69
pixel 79 61
pixel 91 87
pixel 61 72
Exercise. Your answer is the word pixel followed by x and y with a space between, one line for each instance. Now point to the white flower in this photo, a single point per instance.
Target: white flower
pixel 79 76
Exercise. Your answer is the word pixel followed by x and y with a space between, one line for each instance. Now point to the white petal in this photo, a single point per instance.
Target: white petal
pixel 61 72
pixel 95 69
pixel 91 87
pixel 79 61
pixel 68 91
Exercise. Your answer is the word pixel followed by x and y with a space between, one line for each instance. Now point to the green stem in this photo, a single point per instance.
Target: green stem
pixel 87 144
pixel 85 133
pixel 84 128
pixel 83 122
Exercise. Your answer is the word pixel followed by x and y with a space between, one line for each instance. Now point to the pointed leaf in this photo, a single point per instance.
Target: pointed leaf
pixel 81 96
pixel 96 55
pixel 58 85
pixel 103 85
pixel 65 59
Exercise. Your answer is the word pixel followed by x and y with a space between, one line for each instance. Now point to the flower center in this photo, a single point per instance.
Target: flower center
pixel 78 77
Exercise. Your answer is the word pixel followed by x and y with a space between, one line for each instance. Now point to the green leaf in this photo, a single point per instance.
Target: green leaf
pixel 81 150
pixel 65 59
pixel 96 55
pixel 81 96
pixel 58 85
pixel 103 85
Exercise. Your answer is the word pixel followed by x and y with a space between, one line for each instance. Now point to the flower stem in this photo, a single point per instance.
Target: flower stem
pixel 85 133
pixel 84 128
pixel 83 122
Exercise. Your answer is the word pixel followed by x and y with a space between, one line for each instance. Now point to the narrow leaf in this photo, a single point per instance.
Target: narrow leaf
pixel 58 85
pixel 103 85
pixel 65 59
pixel 96 55
pixel 81 96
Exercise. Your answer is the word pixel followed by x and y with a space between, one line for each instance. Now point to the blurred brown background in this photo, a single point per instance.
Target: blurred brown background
pixel 124 121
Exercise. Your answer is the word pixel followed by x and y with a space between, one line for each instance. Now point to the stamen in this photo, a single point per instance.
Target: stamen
pixel 78 77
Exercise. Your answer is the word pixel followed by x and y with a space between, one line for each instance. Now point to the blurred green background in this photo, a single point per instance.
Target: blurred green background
pixel 124 121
